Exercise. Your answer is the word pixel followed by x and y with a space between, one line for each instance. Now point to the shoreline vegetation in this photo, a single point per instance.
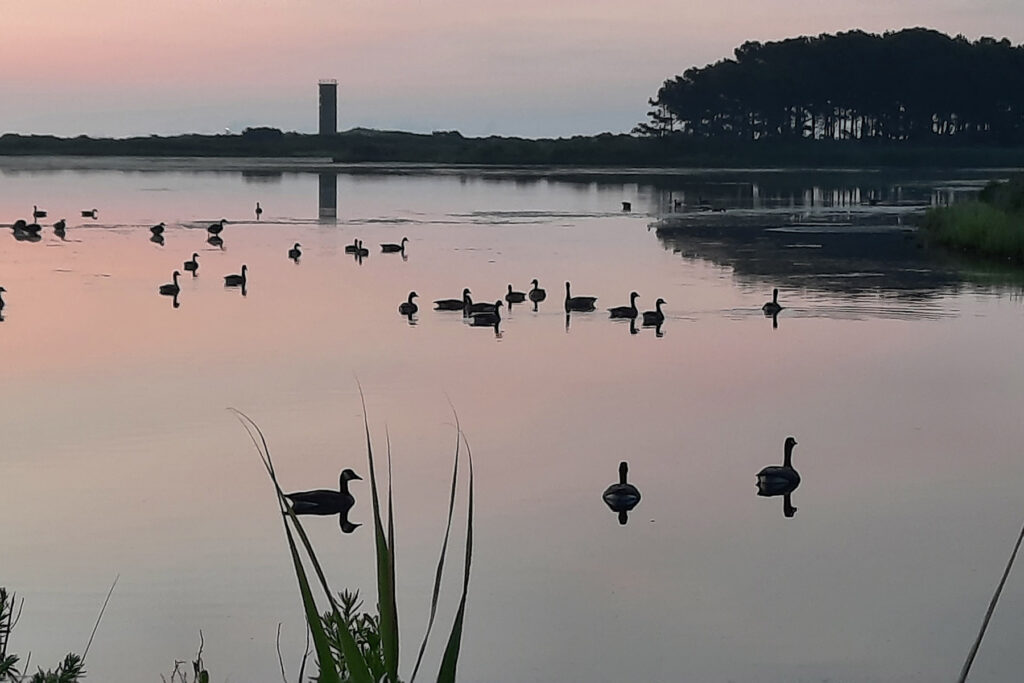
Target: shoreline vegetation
pixel 361 145
pixel 990 227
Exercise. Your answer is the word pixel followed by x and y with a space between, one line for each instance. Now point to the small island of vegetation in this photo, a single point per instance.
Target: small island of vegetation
pixel 990 227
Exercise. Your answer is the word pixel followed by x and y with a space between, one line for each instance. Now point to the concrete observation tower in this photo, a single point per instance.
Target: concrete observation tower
pixel 328 106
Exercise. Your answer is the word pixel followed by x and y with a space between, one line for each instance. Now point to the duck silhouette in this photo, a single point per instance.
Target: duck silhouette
pixel 622 496
pixel 295 253
pixel 625 311
pixel 451 304
pixel 578 303
pixel 779 480
pixel 655 317
pixel 394 248
pixel 408 307
pixel 327 502
pixel 172 288
pixel 772 307
pixel 193 264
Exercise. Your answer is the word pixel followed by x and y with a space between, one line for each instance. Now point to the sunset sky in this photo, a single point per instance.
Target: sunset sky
pixel 512 67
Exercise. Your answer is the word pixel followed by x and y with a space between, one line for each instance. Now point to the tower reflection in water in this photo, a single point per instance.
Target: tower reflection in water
pixel 328 195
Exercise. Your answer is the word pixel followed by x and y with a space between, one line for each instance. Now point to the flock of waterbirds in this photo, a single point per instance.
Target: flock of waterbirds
pixel 478 314
pixel 620 497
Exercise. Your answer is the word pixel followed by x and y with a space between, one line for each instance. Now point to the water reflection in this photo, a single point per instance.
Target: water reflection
pixel 327 196
pixel 215 241
pixel 327 502
pixel 157 239
pixel 622 497
pixel 780 480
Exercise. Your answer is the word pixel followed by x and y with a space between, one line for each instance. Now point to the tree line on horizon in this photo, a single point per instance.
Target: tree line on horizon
pixel 914 85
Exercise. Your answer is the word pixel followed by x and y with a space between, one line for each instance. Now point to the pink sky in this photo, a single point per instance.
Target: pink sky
pixel 522 67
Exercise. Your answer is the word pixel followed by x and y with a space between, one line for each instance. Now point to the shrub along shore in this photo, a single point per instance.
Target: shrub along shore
pixel 451 147
pixel 991 226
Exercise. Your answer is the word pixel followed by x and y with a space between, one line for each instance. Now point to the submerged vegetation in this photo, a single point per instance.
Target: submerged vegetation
pixel 991 226
pixel 354 646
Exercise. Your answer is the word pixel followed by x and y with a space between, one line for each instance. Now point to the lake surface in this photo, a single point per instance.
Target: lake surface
pixel 896 369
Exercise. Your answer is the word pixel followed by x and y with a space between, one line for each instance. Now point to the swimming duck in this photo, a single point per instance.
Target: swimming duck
pixel 515 297
pixel 327 502
pixel 157 229
pixel 259 210
pixel 172 288
pixel 626 311
pixel 392 248
pixel 193 265
pixel 60 226
pixel 37 212
pixel 487 318
pixel 90 213
pixel 470 308
pixel 361 251
pixel 537 294
pixel 235 280
pixel 352 248
pixel 655 317
pixel 408 307
pixel 33 229
pixel 621 497
pixel 294 252
pixel 451 304
pixel 578 303
pixel 776 480
pixel 216 228
pixel 772 307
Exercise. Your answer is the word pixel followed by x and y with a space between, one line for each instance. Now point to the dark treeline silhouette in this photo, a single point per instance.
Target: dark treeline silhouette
pixel 916 85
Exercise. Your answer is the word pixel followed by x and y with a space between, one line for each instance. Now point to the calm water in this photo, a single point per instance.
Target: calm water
pixel 897 371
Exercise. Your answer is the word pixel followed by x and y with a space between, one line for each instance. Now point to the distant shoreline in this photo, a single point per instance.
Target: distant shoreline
pixel 360 146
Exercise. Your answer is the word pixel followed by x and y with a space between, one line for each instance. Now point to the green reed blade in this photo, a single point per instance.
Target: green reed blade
pixel 444 552
pixel 353 656
pixel 386 604
pixel 451 652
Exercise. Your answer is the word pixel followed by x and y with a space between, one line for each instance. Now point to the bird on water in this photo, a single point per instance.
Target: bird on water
pixel 294 253
pixel 537 294
pixel 171 289
pixel 625 311
pixel 451 304
pixel 623 496
pixel 394 248
pixel 773 306
pixel 655 317
pixel 216 228
pixel 193 265
pixel 776 480
pixel 259 210
pixel 157 229
pixel 327 502
pixel 515 297
pixel 578 303
pixel 407 307
pixel 489 318
pixel 236 280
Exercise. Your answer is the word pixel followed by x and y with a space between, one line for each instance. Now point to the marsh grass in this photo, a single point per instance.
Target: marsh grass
pixel 70 670
pixel 356 647
pixel 991 227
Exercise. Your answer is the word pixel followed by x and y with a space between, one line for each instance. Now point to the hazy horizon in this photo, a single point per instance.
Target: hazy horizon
pixel 522 68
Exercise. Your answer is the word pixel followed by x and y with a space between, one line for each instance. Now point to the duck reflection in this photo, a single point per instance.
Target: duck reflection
pixel 622 497
pixel 327 502
pixel 632 326
pixel 780 480
pixel 215 241
pixel 775 320
pixel 157 239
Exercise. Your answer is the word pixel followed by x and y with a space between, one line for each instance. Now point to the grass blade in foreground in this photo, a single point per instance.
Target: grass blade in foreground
pixel 386 605
pixel 444 552
pixel 321 645
pixel 451 652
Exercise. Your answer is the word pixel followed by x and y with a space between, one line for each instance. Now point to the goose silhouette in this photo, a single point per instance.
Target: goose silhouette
pixel 451 304
pixel 407 307
pixel 218 227
pixel 171 289
pixel 294 253
pixel 578 303
pixel 193 265
pixel 259 210
pixel 515 297
pixel 236 280
pixel 622 496
pixel 772 307
pixel 536 293
pixel 157 229
pixel 394 248
pixel 625 311
pixel 655 317
pixel 327 502
pixel 777 480
pixel 37 212
pixel 352 248
pixel 487 318
pixel 90 213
